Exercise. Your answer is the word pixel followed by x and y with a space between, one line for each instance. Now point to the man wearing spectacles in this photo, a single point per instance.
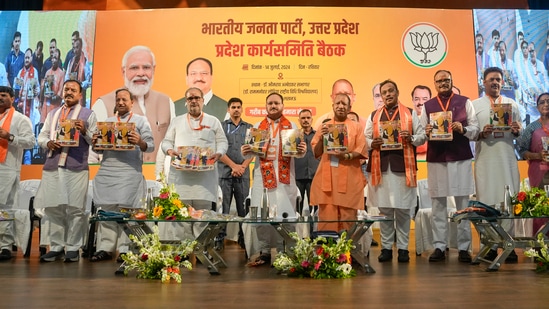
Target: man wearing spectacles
pixel 450 164
pixel 196 184
pixel 200 75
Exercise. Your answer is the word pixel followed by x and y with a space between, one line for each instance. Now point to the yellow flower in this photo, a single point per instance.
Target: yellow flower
pixel 348 255
pixel 157 211
pixel 518 209
pixel 177 203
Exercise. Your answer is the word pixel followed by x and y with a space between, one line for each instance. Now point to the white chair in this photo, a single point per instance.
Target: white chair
pixel 423 226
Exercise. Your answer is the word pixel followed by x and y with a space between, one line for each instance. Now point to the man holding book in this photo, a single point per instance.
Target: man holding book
pixel 195 129
pixel 65 178
pixel 338 185
pixel 273 172
pixel 495 161
pixel 392 177
pixel 119 180
pixel 449 163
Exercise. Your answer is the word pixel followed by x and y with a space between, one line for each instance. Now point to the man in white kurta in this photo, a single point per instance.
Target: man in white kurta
pixel 277 174
pixel 120 181
pixel 395 192
pixel 65 177
pixel 195 128
pixel 449 164
pixel 15 135
pixel 495 161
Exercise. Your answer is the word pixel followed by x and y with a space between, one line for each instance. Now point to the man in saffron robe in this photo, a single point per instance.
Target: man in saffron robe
pixel 338 185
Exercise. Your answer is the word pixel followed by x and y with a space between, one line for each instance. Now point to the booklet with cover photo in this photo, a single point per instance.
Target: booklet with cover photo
pixel 258 140
pixel 67 134
pixel 291 138
pixel 193 158
pixel 337 138
pixel 501 116
pixel 390 133
pixel 105 136
pixel 441 122
pixel 121 135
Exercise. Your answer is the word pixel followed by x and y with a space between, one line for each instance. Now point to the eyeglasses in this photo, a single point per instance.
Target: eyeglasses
pixel 189 99
pixel 443 81
pixel 546 101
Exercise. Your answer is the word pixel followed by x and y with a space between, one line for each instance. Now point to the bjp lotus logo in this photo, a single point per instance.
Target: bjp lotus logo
pixel 424 45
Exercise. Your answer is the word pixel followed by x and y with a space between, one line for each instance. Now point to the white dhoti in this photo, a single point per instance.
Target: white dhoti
pixel 450 179
pixel 62 194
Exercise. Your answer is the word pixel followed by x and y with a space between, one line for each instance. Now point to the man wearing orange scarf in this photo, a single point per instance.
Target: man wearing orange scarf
pixel 276 173
pixel 392 172
pixel 338 185
pixel 15 136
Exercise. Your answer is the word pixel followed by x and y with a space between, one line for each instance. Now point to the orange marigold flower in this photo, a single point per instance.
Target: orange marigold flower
pixel 158 211
pixel 518 209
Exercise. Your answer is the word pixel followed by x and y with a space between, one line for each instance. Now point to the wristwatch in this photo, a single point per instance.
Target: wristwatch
pixel 464 130
pixel 10 139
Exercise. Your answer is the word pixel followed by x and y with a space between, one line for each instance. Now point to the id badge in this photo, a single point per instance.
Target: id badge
pixel 272 152
pixel 334 161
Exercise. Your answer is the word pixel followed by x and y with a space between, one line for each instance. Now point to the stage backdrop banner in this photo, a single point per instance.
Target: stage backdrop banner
pixel 296 51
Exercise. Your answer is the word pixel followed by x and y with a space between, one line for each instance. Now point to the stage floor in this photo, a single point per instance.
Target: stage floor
pixel 27 283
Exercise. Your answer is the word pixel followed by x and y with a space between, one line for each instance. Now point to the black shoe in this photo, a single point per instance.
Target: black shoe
pixel 52 256
pixel 511 258
pixel 71 256
pixel 374 243
pixel 437 256
pixel 491 255
pixel 403 256
pixel 5 255
pixel 464 256
pixel 385 256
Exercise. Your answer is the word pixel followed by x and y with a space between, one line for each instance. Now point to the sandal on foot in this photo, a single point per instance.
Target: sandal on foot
pixel 101 256
pixel 260 260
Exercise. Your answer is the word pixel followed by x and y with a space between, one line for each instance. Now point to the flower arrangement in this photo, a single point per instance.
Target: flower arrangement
pixel 156 260
pixel 319 258
pixel 530 203
pixel 541 255
pixel 168 206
